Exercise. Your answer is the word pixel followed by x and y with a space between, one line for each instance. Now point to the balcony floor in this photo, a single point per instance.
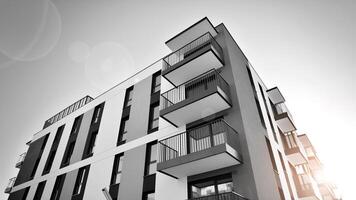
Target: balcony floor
pixel 202 161
pixel 186 112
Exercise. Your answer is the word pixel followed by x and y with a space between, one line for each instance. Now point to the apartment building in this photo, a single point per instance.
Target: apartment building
pixel 198 124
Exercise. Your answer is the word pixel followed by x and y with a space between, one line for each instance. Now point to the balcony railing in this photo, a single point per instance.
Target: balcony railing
pixel 10 185
pixel 198 139
pixel 75 106
pixel 194 88
pixel 21 159
pixel 222 196
pixel 190 48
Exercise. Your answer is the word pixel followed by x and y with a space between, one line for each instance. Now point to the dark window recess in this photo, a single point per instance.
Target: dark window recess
pixel 71 141
pixel 153 118
pixel 208 188
pixel 128 97
pixel 268 115
pixel 270 152
pixel 25 193
pixel 80 182
pixel 53 150
pixel 39 190
pixel 149 196
pixel 90 150
pixel 151 158
pixel 98 111
pixel 69 153
pixel 57 189
pixel 251 79
pixel 260 112
pixel 123 131
pixel 117 169
pixel 34 169
pixel 156 82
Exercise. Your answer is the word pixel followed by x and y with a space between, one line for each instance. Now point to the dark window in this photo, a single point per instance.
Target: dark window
pixel 49 162
pixel 39 190
pixel 156 82
pixel 270 152
pixel 76 124
pixel 34 169
pixel 128 97
pixel 123 131
pixel 268 115
pixel 251 79
pixel 97 113
pixel 56 192
pixel 260 112
pixel 117 169
pixel 149 196
pixel 58 136
pixel 81 180
pixel 92 143
pixel 69 153
pixel 153 118
pixel 151 159
pixel 211 187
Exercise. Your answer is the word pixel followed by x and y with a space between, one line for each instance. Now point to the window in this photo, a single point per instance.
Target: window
pixel 154 118
pixel 128 97
pixel 117 169
pixel 251 79
pixel 90 150
pixel 149 196
pixel 97 113
pixel 268 115
pixel 211 186
pixel 123 131
pixel 80 182
pixel 49 163
pixel 34 169
pixel 76 124
pixel 39 190
pixel 56 192
pixel 260 112
pixel 270 152
pixel 58 135
pixel 69 153
pixel 151 159
pixel 156 82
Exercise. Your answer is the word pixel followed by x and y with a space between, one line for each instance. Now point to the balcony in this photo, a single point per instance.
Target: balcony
pixel 20 160
pixel 275 95
pixel 222 196
pixel 10 185
pixel 327 191
pixel 309 189
pixel 283 118
pixel 293 149
pixel 200 97
pixel 75 106
pixel 197 57
pixel 208 147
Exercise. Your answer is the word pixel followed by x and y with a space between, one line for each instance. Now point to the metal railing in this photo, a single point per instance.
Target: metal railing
pixel 194 88
pixel 75 106
pixel 10 184
pixel 198 139
pixel 189 49
pixel 21 159
pixel 222 196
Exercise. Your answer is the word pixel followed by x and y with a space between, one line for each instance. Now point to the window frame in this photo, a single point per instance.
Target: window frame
pixel 154 87
pixel 116 169
pixel 149 161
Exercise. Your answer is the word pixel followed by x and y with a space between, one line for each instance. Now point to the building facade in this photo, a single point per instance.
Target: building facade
pixel 198 124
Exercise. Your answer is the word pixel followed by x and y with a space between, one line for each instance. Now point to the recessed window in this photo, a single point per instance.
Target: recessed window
pixel 56 192
pixel 156 82
pixel 49 163
pixel 211 187
pixel 80 182
pixel 39 190
pixel 149 196
pixel 117 169
pixel 151 159
pixel 153 118
pixel 69 153
pixel 128 97
pixel 76 124
pixel 92 143
pixel 97 113
pixel 123 131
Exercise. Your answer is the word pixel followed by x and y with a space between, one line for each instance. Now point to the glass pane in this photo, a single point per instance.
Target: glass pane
pixel 152 168
pixel 155 112
pixel 150 196
pixel 204 189
pixel 153 152
pixel 154 123
pixel 118 178
pixel 119 168
pixel 225 187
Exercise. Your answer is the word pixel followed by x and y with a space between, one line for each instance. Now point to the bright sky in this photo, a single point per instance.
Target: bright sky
pixel 54 53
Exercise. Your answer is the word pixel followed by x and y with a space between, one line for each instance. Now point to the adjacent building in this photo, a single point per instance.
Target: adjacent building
pixel 198 124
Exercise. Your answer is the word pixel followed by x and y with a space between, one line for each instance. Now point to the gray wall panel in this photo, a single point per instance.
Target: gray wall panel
pixel 68 185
